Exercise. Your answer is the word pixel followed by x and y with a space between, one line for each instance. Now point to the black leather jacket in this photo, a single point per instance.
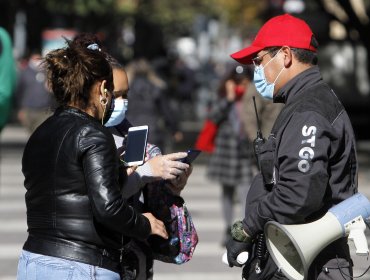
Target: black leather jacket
pixel 73 178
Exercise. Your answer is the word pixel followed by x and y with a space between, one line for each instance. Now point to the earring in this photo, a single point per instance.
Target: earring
pixel 103 101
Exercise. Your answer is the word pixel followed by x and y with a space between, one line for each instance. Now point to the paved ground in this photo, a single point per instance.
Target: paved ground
pixel 202 197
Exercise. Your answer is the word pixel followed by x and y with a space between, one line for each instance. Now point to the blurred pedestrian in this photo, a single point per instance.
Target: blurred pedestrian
pixel 7 76
pixel 231 161
pixel 35 101
pixel 266 110
pixel 148 104
pixel 182 87
pixel 78 220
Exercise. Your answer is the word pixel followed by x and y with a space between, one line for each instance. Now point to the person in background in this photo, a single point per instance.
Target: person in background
pixel 149 105
pixel 182 86
pixel 7 76
pixel 157 167
pixel 35 101
pixel 310 160
pixel 267 114
pixel 230 163
pixel 78 221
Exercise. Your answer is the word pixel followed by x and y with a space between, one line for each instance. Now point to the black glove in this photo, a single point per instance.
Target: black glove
pixel 234 248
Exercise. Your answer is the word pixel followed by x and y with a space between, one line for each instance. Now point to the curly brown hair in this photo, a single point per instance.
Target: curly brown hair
pixel 73 70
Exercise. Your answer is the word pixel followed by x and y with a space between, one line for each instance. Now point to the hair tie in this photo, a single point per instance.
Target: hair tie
pixel 94 47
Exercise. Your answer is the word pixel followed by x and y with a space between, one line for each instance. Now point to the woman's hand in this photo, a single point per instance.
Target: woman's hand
pixel 178 184
pixel 131 169
pixel 168 167
pixel 157 226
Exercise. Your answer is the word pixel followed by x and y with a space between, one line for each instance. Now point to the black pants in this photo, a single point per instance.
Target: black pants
pixel 333 263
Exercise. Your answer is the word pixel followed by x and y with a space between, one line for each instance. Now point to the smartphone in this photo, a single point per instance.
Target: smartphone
pixel 136 145
pixel 192 155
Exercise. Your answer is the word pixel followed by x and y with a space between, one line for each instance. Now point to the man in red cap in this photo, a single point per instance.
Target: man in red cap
pixel 309 163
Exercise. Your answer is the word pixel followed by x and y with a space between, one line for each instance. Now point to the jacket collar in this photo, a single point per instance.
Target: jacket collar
pixel 74 111
pixel 304 80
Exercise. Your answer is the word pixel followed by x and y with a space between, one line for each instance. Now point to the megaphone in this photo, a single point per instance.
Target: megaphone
pixel 294 247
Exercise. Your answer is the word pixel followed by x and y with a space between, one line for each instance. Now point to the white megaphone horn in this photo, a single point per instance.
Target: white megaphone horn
pixel 294 247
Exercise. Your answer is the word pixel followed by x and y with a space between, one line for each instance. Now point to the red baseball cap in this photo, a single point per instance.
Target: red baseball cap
pixel 283 30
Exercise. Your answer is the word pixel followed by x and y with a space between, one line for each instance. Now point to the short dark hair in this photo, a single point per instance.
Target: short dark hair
pixel 302 55
pixel 114 63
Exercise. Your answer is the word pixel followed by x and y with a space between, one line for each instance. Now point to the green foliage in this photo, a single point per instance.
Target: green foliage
pixel 173 17
pixel 80 7
pixel 177 17
pixel 240 13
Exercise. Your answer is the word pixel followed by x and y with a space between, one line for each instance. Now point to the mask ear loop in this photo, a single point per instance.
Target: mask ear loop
pixel 281 71
pixel 263 67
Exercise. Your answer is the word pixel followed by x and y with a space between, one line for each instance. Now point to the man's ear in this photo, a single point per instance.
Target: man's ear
pixel 288 56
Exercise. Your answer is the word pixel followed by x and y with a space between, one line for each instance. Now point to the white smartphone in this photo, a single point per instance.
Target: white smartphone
pixel 136 145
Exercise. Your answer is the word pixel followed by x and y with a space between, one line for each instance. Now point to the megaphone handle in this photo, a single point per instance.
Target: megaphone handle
pixel 356 228
pixel 360 242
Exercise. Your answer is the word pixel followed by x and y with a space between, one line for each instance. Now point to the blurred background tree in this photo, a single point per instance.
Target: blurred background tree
pixel 212 29
pixel 175 19
pixel 172 19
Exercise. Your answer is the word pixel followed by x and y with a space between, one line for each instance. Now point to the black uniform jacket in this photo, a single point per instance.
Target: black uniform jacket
pixel 73 180
pixel 314 166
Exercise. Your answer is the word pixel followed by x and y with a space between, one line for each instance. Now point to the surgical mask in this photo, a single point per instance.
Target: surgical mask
pixel 264 88
pixel 119 112
pixel 108 112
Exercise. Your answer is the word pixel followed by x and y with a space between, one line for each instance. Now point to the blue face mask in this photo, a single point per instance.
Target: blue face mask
pixel 119 112
pixel 264 88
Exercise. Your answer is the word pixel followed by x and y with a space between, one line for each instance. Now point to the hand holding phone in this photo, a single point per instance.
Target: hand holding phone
pixel 192 155
pixel 136 145
pixel 167 166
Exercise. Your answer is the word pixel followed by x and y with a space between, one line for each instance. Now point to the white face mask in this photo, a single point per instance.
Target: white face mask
pixel 265 88
pixel 119 112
